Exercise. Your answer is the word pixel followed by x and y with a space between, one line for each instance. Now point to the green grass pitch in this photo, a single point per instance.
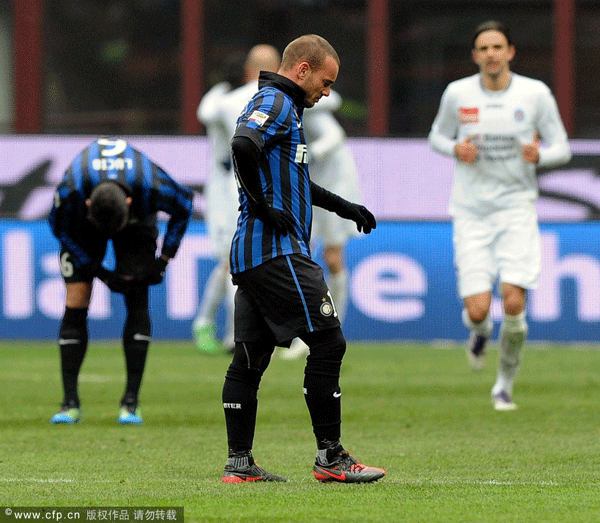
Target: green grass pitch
pixel 414 409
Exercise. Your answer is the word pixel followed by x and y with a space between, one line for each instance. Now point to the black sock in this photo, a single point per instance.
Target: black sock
pixel 135 363
pixel 321 383
pixel 73 341
pixel 137 333
pixel 323 399
pixel 240 404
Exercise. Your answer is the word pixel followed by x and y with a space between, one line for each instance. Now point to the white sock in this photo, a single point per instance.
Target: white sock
pixel 338 285
pixel 212 296
pixel 483 328
pixel 513 333
pixel 230 288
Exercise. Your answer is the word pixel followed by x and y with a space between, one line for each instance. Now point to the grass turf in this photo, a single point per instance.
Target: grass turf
pixel 415 410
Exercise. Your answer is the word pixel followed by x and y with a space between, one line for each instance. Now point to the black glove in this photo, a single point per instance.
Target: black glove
pixel 280 221
pixel 365 221
pixel 325 199
pixel 115 282
pixel 156 272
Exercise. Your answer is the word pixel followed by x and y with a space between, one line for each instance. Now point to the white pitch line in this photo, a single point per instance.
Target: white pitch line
pixel 35 480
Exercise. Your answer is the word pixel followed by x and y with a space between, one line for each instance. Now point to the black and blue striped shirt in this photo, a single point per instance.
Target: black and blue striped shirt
pixel 150 187
pixel 273 121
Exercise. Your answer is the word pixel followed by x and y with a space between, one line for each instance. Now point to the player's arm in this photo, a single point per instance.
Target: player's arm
pixel 177 201
pixel 246 162
pixel 364 219
pixel 444 131
pixel 166 195
pixel 552 131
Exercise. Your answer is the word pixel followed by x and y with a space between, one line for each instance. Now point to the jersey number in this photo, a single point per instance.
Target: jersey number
pixel 66 267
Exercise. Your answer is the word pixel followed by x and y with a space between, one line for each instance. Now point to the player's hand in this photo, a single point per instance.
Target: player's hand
pixel 466 151
pixel 115 282
pixel 280 221
pixel 531 151
pixel 364 219
pixel 156 272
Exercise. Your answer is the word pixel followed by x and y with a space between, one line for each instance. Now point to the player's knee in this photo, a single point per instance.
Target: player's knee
pixel 513 305
pixel 78 295
pixel 326 345
pixel 243 374
pixel 513 299
pixel 253 356
pixel 477 314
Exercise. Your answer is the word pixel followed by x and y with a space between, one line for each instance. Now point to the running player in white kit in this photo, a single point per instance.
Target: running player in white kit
pixel 492 123
pixel 221 217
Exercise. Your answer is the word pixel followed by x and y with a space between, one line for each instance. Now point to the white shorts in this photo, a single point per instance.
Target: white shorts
pixel 505 245
pixel 222 212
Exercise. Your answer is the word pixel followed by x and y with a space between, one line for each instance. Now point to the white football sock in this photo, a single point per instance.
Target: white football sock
pixel 230 288
pixel 483 328
pixel 213 294
pixel 513 333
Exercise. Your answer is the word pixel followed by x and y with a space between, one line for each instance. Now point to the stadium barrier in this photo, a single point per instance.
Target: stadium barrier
pixel 402 283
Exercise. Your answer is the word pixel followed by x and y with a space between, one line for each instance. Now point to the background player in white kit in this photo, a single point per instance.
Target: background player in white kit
pixel 220 219
pixel 331 166
pixel 492 123
pixel 218 111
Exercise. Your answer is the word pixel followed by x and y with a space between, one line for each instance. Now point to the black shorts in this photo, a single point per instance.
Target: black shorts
pixel 134 247
pixel 282 299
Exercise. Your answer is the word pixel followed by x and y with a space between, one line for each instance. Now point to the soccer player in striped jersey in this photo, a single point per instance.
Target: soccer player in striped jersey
pixel 491 123
pixel 281 291
pixel 112 191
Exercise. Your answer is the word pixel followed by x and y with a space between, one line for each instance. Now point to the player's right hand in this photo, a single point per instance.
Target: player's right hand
pixel 364 219
pixel 466 151
pixel 280 221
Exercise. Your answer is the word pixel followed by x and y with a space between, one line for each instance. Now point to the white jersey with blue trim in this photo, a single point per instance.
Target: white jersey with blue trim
pixel 499 123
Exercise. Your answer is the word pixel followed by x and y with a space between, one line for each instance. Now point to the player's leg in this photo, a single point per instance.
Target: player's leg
pixel 322 384
pixel 137 334
pixel 513 333
pixel 73 342
pixel 518 252
pixel 476 272
pixel 323 334
pixel 323 398
pixel 135 249
pixel 337 279
pixel 229 337
pixel 240 390
pixel 73 333
pixel 337 282
pixel 203 326
pixel 221 216
pixel 476 317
